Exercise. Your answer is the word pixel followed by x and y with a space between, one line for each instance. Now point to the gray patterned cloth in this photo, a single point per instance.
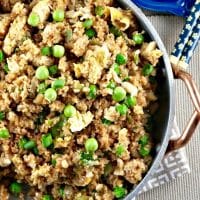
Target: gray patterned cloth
pixel 172 166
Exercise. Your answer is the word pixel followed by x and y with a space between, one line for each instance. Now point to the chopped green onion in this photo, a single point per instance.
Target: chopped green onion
pixel 87 23
pixel 121 59
pixel 144 140
pixel 130 101
pixel 93 91
pixel 4 133
pixel 99 10
pixel 119 192
pixel 53 162
pixel 62 191
pixel 6 69
pixel 35 150
pixel 120 150
pixel 106 121
pixel 53 70
pixel 2 115
pixel 22 142
pixel 108 169
pixel 58 84
pixel 33 19
pixel 69 34
pixel 29 145
pixel 90 33
pixel 1 56
pixel 147 70
pixel 58 15
pixel 144 151
pixel 57 127
pixel 126 79
pixel 69 111
pixel 115 31
pixel 42 73
pixel 91 145
pixel 47 140
pixel 119 94
pixel 86 156
pixel 122 109
pixel 111 85
pixel 47 197
pixel 50 95
pixel 15 188
pixel 46 51
pixel 42 88
pixel 138 38
pixel 117 69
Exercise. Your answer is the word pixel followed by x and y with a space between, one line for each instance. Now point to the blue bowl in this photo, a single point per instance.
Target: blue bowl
pixel 176 7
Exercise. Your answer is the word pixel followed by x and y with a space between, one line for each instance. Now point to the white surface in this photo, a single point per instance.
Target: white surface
pixel 188 186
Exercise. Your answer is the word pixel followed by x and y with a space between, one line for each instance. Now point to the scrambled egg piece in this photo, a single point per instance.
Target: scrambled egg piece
pixel 80 121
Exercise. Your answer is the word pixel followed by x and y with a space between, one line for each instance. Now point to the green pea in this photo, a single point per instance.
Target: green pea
pixel 15 188
pixel 33 19
pixel 4 133
pixel 90 33
pixel 119 192
pixel 53 70
pixel 29 145
pixel 50 95
pixel 41 88
pixel 58 51
pixel 2 115
pixel 93 91
pixel 47 197
pixel 144 140
pixel 120 59
pixel 117 69
pixel 58 15
pixel 47 140
pixel 144 151
pixel 46 51
pixel 115 31
pixel 1 56
pixel 99 10
pixel 58 84
pixel 87 23
pixel 91 145
pixel 42 73
pixel 120 150
pixel 69 111
pixel 138 38
pixel 130 101
pixel 119 94
pixel 147 70
pixel 122 109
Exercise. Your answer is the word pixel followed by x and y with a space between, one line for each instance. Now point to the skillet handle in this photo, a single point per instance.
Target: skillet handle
pixel 195 118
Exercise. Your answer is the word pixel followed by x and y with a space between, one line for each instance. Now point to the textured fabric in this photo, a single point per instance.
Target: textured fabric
pixel 188 186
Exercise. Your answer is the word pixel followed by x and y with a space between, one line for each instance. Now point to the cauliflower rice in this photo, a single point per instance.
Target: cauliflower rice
pixel 44 148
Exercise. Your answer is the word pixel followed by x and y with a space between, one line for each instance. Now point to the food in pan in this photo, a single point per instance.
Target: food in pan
pixel 77 88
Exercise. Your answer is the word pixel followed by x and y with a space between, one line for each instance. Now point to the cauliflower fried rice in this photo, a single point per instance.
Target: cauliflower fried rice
pixel 77 82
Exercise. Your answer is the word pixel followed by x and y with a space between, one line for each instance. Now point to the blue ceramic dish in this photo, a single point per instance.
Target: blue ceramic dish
pixel 176 7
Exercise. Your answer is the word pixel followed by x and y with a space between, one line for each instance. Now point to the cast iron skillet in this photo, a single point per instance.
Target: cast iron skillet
pixel 165 114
